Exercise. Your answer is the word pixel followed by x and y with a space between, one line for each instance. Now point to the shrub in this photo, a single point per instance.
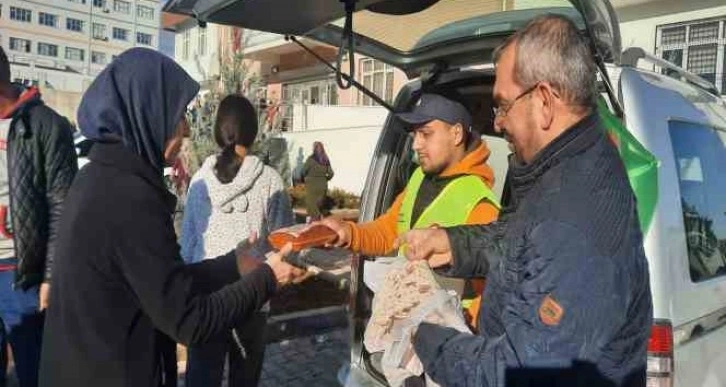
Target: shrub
pixel 341 199
pixel 297 195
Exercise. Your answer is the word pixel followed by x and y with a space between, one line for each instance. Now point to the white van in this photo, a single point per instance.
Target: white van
pixel 447 45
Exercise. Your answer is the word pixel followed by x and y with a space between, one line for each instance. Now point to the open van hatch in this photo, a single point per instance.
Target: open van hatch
pixel 412 35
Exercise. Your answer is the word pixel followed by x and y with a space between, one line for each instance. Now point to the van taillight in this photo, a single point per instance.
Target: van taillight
pixel 660 355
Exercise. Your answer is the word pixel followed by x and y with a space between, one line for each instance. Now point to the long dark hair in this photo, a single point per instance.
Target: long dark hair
pixel 236 124
pixel 319 154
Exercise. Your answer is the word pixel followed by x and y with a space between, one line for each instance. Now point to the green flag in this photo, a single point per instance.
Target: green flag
pixel 641 165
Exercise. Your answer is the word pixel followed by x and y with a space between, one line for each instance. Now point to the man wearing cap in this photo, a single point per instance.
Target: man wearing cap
pixel 451 186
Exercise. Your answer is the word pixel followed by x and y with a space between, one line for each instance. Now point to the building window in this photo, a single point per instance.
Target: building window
pixel 703 31
pixel 99 31
pixel 378 78
pixel 21 14
pixel 47 49
pixel 75 54
pixel 98 57
pixel 47 19
pixel 332 93
pixel 77 1
pixel 702 61
pixel 74 25
pixel 145 12
pixel 99 3
pixel 317 92
pixel 673 35
pixel 675 57
pixel 700 153
pixel 20 45
pixel 699 46
pixel 120 33
pixel 121 6
pixel 185 44
pixel 202 41
pixel 142 38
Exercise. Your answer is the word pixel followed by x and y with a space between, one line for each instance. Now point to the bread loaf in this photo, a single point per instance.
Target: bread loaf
pixel 302 236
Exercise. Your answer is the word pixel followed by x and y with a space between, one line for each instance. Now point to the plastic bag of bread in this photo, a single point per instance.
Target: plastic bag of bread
pixel 409 295
pixel 302 236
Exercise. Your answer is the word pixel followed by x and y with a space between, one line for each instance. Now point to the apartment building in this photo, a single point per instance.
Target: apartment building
pixel 61 45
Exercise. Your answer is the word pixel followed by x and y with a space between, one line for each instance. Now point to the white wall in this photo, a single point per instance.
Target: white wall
pixel 349 150
pixel 638 23
pixel 200 67
pixel 318 117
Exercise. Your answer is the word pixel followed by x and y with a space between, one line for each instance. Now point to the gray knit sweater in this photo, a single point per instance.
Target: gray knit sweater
pixel 219 216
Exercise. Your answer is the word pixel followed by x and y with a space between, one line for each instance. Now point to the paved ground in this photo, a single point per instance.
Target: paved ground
pixel 306 361
pixel 309 361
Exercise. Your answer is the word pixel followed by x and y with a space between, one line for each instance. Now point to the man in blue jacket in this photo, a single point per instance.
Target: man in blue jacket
pixel 568 298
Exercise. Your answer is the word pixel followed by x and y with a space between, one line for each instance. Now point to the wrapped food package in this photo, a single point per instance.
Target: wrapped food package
pixel 302 236
pixel 409 295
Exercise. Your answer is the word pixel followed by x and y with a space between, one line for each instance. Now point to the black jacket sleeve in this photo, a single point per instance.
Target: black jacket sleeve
pixel 169 291
pixel 59 168
pixel 475 249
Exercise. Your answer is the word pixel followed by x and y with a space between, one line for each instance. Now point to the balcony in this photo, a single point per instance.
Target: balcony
pixel 268 47
pixel 255 39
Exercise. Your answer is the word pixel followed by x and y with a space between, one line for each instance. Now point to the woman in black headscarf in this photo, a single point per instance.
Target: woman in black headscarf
pixel 317 172
pixel 118 275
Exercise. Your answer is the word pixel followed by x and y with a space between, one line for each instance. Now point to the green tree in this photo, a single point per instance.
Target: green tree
pixel 235 77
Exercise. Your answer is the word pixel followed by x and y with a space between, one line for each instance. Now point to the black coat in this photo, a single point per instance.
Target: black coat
pixel 118 276
pixel 41 166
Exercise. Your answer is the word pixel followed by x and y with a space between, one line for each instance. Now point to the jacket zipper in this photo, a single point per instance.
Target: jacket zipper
pixel 9 155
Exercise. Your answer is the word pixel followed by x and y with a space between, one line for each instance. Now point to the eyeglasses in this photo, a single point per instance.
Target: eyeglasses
pixel 502 111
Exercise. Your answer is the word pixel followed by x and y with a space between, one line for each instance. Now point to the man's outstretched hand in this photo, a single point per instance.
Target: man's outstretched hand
pixel 340 228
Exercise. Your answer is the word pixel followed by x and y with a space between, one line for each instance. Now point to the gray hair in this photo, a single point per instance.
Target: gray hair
pixel 551 49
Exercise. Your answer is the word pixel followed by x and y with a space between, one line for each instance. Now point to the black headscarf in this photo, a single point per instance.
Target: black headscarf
pixel 138 99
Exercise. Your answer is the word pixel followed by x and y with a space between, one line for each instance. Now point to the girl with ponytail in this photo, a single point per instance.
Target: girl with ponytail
pixel 232 197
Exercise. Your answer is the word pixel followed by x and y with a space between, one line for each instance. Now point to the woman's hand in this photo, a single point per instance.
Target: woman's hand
pixel 284 272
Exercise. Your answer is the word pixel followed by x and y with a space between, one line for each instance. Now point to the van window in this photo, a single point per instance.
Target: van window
pixel 700 154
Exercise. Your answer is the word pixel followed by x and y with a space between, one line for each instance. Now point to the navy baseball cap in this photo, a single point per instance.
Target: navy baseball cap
pixel 436 107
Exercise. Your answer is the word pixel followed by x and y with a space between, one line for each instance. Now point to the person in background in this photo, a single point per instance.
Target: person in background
pixel 316 174
pixel 37 165
pixel 232 197
pixel 272 113
pixel 118 274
